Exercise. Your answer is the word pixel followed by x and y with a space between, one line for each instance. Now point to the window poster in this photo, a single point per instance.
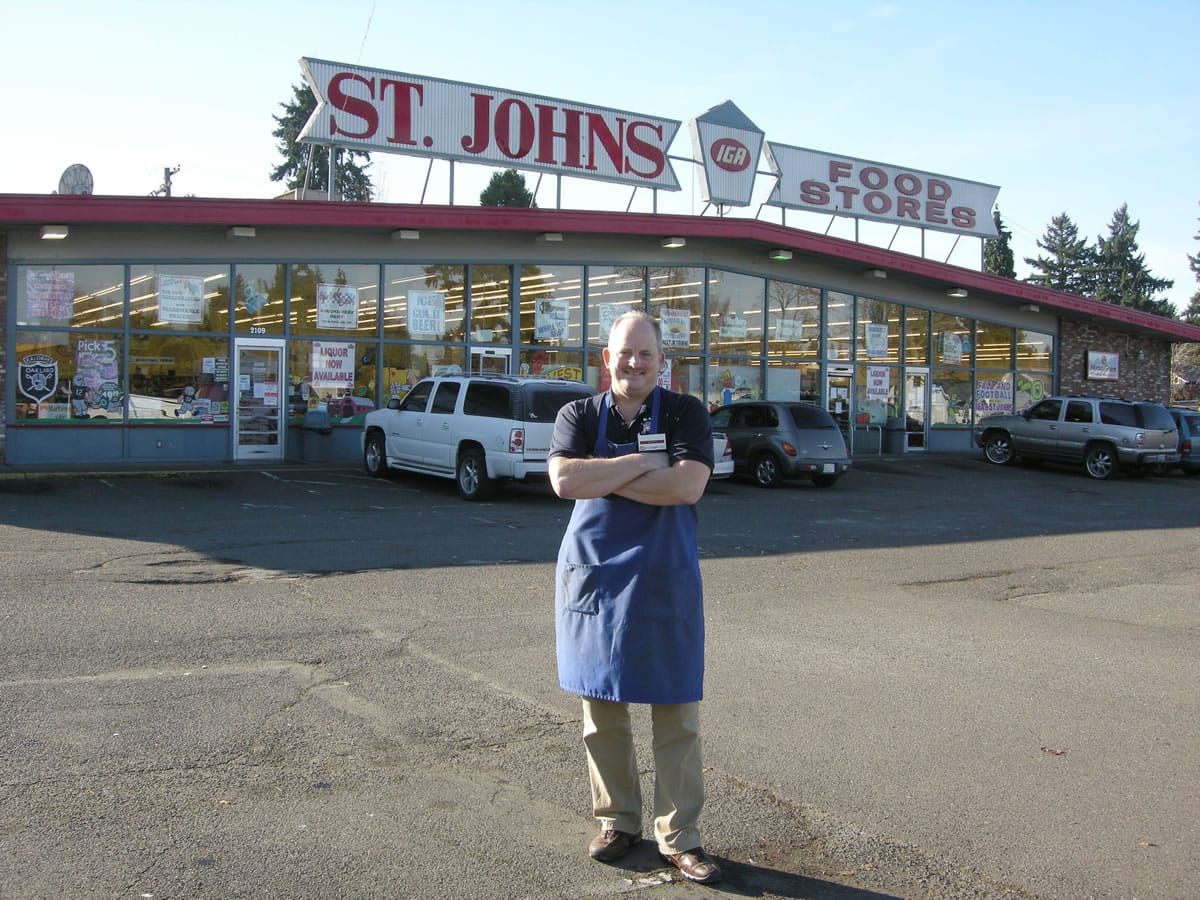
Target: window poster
pixel 337 306
pixel 733 327
pixel 952 348
pixel 96 382
pixel 993 396
pixel 427 312
pixel 49 295
pixel 332 367
pixel 181 299
pixel 606 314
pixel 676 327
pixel 879 386
pixel 791 330
pixel 550 320
pixel 877 341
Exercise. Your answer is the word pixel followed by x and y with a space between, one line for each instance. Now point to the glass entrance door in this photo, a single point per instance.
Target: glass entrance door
pixel 838 391
pixel 916 408
pixel 259 414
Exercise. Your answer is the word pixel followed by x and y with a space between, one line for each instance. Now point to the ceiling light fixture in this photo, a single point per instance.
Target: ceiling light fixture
pixel 779 254
pixel 550 237
pixel 1030 307
pixel 406 234
pixel 957 292
pixel 876 273
pixel 240 232
pixel 673 243
pixel 54 232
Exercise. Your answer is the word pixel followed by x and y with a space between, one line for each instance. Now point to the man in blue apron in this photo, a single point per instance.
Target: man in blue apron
pixel 629 616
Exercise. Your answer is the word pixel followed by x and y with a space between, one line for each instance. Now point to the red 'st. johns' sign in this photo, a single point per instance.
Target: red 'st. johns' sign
pixel 371 109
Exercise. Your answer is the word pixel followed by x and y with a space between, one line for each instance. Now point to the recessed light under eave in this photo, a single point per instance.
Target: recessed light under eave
pixel 956 292
pixel 673 243
pixel 54 232
pixel 406 234
pixel 876 273
pixel 550 237
pixel 779 254
pixel 240 232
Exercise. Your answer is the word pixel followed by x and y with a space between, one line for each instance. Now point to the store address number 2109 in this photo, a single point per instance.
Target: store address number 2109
pixel 258 329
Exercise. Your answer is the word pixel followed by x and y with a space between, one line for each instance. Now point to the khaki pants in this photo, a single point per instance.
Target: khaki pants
pixel 678 771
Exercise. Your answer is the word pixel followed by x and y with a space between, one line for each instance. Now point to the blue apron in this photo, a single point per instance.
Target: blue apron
pixel 628 605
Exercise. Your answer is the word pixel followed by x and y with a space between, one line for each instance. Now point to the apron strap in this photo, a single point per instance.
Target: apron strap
pixel 601 447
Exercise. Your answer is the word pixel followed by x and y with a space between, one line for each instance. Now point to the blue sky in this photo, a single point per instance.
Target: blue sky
pixel 1068 107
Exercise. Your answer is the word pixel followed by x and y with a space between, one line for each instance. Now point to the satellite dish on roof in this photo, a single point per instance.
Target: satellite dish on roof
pixel 76 179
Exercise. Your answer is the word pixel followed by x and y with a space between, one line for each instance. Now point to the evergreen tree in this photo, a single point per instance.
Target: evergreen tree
pixel 307 165
pixel 1192 313
pixel 997 254
pixel 1068 265
pixel 506 188
pixel 1120 270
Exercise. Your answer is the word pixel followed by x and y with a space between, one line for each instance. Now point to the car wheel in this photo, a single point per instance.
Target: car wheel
pixel 824 480
pixel 765 469
pixel 472 477
pixel 1100 461
pixel 997 448
pixel 374 456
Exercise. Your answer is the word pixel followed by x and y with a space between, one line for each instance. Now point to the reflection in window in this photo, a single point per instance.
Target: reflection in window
pixel 491 318
pixel 676 299
pixel 1031 388
pixel 793 381
pixel 1034 350
pixel 406 364
pixel 686 375
pixel 332 300
pixel 732 379
pixel 258 298
pixel 178 379
pixel 424 302
pixel 952 401
pixel 735 313
pixel 56 296
pixel 551 304
pixel 916 336
pixel 611 291
pixel 877 332
pixel 179 298
pixel 994 346
pixel 839 316
pixel 69 378
pixel 793 320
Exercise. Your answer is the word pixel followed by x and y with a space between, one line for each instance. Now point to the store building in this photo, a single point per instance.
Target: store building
pixel 189 329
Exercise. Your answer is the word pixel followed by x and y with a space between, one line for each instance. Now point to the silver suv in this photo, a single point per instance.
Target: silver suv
pixel 1103 433
pixel 476 429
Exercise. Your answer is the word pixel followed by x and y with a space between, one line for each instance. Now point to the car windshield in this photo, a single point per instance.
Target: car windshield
pixel 808 416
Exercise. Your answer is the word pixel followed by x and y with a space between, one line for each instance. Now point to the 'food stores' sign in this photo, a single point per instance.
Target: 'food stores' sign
pixel 376 110
pixel 372 109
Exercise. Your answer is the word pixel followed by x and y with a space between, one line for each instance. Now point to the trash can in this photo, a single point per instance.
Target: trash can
pixel 893 435
pixel 317 436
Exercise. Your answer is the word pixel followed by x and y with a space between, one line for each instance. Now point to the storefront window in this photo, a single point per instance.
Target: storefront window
pixel 685 375
pixel 424 303
pixel 611 291
pixel 52 296
pixel 551 362
pixel 258 299
pixel 69 378
pixel 793 381
pixel 793 320
pixel 491 315
pixel 178 379
pixel 876 390
pixel 916 336
pixel 551 305
pixel 952 402
pixel 406 364
pixel 735 313
pixel 179 298
pixel 1031 387
pixel 877 331
pixel 993 348
pixel 332 300
pixel 340 374
pixel 953 340
pixel 839 320
pixel 677 300
pixel 729 379
pixel 993 395
pixel 1034 350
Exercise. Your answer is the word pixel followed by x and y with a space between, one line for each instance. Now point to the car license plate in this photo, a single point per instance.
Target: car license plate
pixel 1159 458
pixel 828 468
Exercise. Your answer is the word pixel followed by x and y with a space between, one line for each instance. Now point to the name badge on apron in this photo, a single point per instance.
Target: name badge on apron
pixel 649 443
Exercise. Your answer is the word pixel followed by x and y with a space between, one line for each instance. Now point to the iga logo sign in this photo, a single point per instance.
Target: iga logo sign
pixel 730 155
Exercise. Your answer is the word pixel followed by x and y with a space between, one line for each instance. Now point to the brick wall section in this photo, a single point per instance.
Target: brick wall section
pixel 1148 378
pixel 3 343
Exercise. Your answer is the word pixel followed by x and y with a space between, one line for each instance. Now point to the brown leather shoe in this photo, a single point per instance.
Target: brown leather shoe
pixel 610 845
pixel 694 865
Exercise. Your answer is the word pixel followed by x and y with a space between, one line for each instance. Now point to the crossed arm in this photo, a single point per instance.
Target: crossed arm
pixel 648 478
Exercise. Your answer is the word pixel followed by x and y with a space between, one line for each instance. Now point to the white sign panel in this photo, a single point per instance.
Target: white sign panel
pixel 550 320
pixel 844 186
pixel 676 327
pixel 728 145
pixel 877 341
pixel 332 367
pixel 607 313
pixel 393 112
pixel 427 312
pixel 49 294
pixel 878 384
pixel 337 306
pixel 181 299
pixel 788 329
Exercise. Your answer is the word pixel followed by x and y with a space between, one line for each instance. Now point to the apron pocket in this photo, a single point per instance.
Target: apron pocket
pixel 582 586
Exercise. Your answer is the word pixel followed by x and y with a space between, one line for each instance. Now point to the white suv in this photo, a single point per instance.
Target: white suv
pixel 476 429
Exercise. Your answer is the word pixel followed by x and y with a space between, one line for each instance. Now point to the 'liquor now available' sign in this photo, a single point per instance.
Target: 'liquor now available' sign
pixel 371 109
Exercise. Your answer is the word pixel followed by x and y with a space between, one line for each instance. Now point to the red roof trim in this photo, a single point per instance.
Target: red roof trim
pixel 38 209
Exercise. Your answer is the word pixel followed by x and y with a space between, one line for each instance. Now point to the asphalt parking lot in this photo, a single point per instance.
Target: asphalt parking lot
pixel 937 679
